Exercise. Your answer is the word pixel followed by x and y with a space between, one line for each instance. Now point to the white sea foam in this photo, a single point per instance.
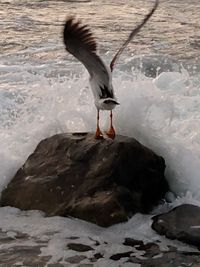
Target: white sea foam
pixel 162 113
pixel 57 232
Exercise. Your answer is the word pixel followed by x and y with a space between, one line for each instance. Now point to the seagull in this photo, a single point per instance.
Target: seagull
pixel 80 42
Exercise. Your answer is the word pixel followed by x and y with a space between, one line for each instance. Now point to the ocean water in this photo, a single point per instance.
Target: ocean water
pixel 44 91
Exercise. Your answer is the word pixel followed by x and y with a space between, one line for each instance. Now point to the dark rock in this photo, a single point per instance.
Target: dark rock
pixel 29 255
pixel 181 223
pixel 75 259
pixel 167 259
pixel 118 256
pixel 190 253
pixel 102 181
pixel 132 242
pixel 96 257
pixel 79 247
pixel 150 249
pixel 154 256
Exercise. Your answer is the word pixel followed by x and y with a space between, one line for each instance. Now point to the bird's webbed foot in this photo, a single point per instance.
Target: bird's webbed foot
pixel 111 133
pixel 98 134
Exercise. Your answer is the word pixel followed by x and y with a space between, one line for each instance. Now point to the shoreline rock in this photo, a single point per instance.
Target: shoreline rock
pixel 181 223
pixel 90 252
pixel 102 181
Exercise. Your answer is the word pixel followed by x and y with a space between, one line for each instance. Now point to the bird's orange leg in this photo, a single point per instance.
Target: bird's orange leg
pixel 98 134
pixel 111 132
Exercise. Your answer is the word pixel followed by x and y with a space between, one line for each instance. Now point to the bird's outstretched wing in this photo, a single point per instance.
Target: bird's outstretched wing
pixel 132 34
pixel 80 42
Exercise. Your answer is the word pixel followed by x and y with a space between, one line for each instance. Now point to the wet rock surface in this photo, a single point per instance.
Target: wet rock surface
pixel 18 249
pixel 79 247
pixel 101 181
pixel 181 223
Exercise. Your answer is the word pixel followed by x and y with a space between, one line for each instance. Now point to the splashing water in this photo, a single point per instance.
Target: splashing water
pixel 162 113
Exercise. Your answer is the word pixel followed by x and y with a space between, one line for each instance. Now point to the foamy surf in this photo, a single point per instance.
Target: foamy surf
pixel 162 113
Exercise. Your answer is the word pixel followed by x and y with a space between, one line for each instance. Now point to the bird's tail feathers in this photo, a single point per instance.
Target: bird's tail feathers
pixel 110 101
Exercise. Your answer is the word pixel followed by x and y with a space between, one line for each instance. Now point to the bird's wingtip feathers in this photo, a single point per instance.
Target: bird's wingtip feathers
pixel 74 32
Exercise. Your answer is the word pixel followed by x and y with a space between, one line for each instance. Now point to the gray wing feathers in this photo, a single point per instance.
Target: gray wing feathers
pixel 80 42
pixel 132 34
